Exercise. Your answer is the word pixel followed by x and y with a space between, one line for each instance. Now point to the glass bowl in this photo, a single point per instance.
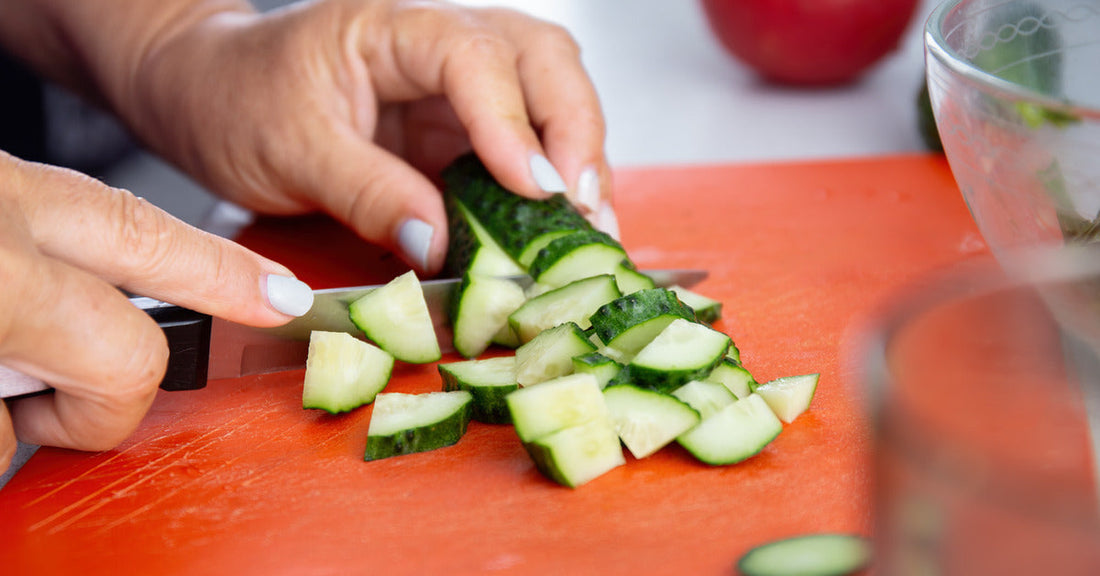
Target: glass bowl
pixel 1015 91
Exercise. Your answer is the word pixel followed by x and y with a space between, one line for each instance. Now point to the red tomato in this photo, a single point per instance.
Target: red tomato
pixel 809 42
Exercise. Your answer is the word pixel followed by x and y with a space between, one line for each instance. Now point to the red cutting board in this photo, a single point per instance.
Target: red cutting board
pixel 238 479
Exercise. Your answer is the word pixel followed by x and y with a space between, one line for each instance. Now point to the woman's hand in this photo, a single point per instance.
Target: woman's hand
pixel 350 106
pixel 66 241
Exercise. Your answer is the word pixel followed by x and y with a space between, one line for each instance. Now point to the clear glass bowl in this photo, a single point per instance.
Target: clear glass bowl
pixel 1015 90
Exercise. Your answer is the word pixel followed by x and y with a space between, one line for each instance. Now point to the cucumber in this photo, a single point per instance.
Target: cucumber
pixel 480 308
pixel 577 455
pixel 734 433
pixel 825 554
pixel 575 302
pixel 707 310
pixel 631 280
pixel 556 404
pixel 489 381
pixel 574 256
pixel 734 353
pixel 598 365
pixel 647 420
pixel 409 423
pixel 395 317
pixel 789 396
pixel 471 248
pixel 343 372
pixel 628 323
pixel 520 226
pixel 550 354
pixel 705 397
pixel 734 376
pixel 682 352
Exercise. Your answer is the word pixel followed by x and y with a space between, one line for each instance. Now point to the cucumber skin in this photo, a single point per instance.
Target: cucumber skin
pixel 410 441
pixel 557 249
pixel 512 220
pixel 623 313
pixel 664 381
pixel 489 405
pixel 755 563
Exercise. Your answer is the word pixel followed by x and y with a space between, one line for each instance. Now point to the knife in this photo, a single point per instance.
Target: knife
pixel 203 348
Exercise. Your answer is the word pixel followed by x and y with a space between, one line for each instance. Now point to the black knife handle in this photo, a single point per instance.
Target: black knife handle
pixel 188 334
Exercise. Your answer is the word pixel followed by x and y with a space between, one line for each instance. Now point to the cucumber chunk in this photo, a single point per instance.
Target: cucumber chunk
pixel 550 354
pixel 631 280
pixel 396 318
pixel 598 365
pixel 479 311
pixel 471 249
pixel 826 554
pixel 575 302
pixel 705 397
pixel 734 433
pixel 577 455
pixel 734 376
pixel 555 405
pixel 574 256
pixel 409 423
pixel 789 396
pixel 628 323
pixel 343 372
pixel 647 420
pixel 707 310
pixel 682 352
pixel 489 381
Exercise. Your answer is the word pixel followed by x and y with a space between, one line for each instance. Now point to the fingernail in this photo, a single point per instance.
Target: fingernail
pixel 415 238
pixel 606 221
pixel 588 189
pixel 289 295
pixel 546 177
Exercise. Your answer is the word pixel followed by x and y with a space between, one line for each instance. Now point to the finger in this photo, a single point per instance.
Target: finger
pixel 562 103
pixel 8 443
pixel 475 68
pixel 130 243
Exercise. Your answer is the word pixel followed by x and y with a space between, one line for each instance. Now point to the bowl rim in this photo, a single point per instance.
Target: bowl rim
pixel 936 47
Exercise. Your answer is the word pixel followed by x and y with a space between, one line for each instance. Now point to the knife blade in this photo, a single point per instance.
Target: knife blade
pixel 203 348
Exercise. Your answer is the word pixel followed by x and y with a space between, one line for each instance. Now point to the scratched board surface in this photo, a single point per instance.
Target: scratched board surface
pixel 238 479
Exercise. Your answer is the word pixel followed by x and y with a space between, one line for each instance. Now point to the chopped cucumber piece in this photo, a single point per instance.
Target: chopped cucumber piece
pixel 734 353
pixel 826 554
pixel 535 246
pixel 734 433
pixel 343 372
pixel 396 318
pixel 409 423
pixel 707 310
pixel 789 396
pixel 555 405
pixel 489 381
pixel 574 256
pixel 682 352
pixel 628 323
pixel 574 302
pixel 598 365
pixel 550 354
pixel 576 455
pixel 734 376
pixel 480 309
pixel 647 420
pixel 631 280
pixel 705 397
pixel 471 249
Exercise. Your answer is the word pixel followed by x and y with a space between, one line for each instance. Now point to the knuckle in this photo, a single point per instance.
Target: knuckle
pixel 143 234
pixel 556 39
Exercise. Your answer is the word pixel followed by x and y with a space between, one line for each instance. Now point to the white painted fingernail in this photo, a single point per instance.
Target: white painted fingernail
pixel 546 177
pixel 415 238
pixel 588 189
pixel 289 295
pixel 606 221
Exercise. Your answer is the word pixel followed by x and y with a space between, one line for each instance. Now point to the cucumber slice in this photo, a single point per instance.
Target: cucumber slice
pixel 705 397
pixel 479 311
pixel 631 280
pixel 734 433
pixel 789 396
pixel 550 354
pixel 489 381
pixel 408 423
pixel 598 365
pixel 826 554
pixel 396 318
pixel 574 256
pixel 628 323
pixel 555 405
pixel 682 352
pixel 734 353
pixel 471 249
pixel 647 420
pixel 343 372
pixel 707 310
pixel 574 302
pixel 734 376
pixel 577 455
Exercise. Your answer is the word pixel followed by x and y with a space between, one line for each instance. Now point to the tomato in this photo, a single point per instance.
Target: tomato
pixel 809 42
